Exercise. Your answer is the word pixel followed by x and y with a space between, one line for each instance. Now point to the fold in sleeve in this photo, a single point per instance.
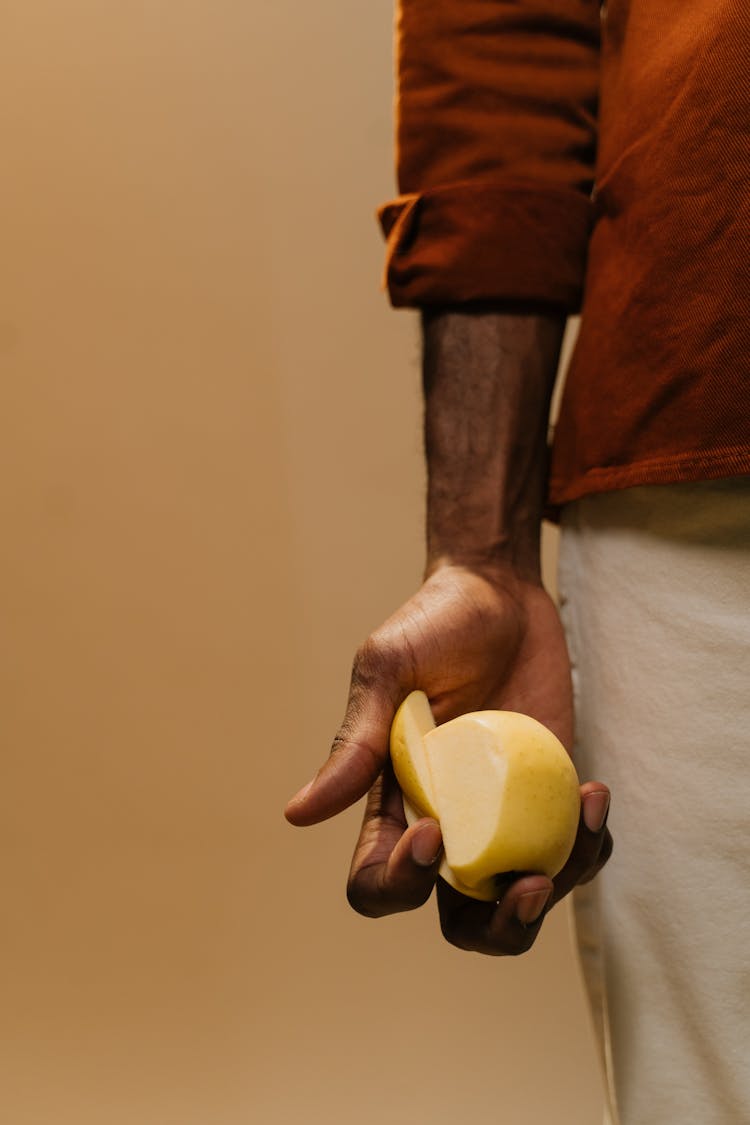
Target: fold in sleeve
pixel 495 148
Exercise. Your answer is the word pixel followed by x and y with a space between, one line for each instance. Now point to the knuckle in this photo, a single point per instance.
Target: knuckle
pixel 369 660
pixel 382 901
pixel 340 741
pixel 522 942
pixel 368 763
pixel 515 940
pixel 508 939
pixel 461 943
pixel 447 927
pixel 378 658
pixel 416 896
pixel 453 935
pixel 358 900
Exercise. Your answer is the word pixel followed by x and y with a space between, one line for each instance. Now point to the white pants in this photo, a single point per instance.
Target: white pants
pixel 655 590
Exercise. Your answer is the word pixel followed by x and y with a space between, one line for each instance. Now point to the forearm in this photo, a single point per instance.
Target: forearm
pixel 488 380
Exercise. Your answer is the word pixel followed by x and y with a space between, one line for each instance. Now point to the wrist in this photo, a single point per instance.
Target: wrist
pixel 505 571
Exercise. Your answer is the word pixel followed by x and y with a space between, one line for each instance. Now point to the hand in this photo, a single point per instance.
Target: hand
pixel 471 638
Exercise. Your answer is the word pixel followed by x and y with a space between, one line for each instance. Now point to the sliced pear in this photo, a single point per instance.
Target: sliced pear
pixel 507 793
pixel 500 784
pixel 412 722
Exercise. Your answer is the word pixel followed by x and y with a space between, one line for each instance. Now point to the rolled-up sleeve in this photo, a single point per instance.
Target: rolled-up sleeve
pixel 496 114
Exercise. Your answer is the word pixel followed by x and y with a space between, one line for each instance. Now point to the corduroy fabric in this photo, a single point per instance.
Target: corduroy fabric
pixel 509 113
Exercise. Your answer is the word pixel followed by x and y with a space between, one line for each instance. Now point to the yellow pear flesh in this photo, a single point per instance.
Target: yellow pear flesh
pixel 411 725
pixel 412 722
pixel 500 784
pixel 507 793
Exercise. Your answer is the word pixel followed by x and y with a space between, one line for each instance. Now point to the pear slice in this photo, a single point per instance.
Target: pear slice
pixel 412 722
pixel 508 797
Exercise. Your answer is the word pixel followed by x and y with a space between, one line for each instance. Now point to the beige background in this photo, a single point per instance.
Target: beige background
pixel 210 490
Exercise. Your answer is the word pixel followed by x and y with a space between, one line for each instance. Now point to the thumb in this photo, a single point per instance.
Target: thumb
pixel 360 749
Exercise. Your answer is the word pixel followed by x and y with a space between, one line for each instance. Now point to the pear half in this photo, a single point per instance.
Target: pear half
pixel 501 786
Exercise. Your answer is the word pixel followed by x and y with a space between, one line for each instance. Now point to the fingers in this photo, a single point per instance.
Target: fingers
pixel 394 867
pixel 496 929
pixel 380 680
pixel 510 926
pixel 593 844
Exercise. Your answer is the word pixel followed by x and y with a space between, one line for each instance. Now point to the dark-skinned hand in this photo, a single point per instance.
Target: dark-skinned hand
pixel 472 639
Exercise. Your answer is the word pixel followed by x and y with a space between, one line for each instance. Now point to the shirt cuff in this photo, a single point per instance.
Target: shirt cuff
pixel 486 242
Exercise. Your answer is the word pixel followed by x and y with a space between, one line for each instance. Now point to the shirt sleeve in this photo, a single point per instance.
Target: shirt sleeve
pixel 496 108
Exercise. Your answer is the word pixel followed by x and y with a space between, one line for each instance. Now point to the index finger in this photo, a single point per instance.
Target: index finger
pixel 394 867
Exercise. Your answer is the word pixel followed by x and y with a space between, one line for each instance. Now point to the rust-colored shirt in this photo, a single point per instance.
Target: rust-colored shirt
pixel 595 161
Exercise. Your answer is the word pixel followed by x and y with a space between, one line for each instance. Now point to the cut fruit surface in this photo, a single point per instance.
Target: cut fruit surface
pixel 507 793
pixel 412 722
pixel 502 787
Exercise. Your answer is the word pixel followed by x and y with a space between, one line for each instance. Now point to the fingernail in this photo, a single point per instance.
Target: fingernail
pixel 426 846
pixel 302 793
pixel 595 808
pixel 531 905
